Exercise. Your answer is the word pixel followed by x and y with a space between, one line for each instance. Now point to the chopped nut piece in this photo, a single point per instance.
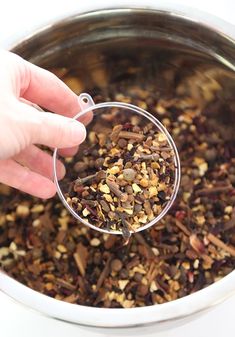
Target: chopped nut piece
pixel 113 170
pixel 13 246
pixel 128 304
pixel 108 197
pixel 62 248
pixel 129 147
pixel 143 219
pixel 153 191
pixel 95 242
pixel 22 211
pixel 37 209
pixel 144 182
pixel 86 212
pixel 228 209
pixel 122 284
pixel 136 188
pixel 104 188
pixel 161 137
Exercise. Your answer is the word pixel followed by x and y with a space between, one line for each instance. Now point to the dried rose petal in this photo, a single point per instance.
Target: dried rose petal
pixel 196 244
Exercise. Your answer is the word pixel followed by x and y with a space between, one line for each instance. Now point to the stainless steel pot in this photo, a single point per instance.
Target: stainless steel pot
pixel 91 40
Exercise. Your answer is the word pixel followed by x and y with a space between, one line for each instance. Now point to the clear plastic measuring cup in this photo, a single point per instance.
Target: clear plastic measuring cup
pixel 123 111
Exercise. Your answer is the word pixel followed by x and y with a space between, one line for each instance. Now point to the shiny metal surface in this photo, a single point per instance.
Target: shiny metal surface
pixel 121 24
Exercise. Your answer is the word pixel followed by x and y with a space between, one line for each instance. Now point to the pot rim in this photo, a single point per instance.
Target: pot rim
pixel 185 12
pixel 117 317
pixel 104 317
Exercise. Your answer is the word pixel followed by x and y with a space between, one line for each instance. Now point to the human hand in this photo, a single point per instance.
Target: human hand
pixel 22 164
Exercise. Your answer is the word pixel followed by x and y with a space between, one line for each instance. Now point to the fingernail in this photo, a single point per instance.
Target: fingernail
pixel 61 171
pixel 78 132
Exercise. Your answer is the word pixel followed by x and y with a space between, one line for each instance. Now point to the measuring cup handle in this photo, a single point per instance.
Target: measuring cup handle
pixel 85 101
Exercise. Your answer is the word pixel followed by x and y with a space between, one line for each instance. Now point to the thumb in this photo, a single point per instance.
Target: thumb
pixel 58 131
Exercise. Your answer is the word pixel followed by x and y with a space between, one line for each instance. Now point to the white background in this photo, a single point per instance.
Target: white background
pixel 17 19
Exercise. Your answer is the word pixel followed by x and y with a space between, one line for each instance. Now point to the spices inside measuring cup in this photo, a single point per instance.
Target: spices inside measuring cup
pixel 126 175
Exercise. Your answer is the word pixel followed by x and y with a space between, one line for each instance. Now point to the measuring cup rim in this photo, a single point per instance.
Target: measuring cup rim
pixel 92 106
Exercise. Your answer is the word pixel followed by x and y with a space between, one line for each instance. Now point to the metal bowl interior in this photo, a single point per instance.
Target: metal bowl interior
pixel 148 39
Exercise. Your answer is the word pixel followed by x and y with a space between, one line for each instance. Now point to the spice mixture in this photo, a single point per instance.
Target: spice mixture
pixel 126 174
pixel 43 246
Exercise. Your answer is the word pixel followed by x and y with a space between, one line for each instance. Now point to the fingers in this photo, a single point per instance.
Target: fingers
pixel 44 88
pixel 69 152
pixel 59 131
pixel 37 85
pixel 86 119
pixel 40 162
pixel 23 179
pixel 50 129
